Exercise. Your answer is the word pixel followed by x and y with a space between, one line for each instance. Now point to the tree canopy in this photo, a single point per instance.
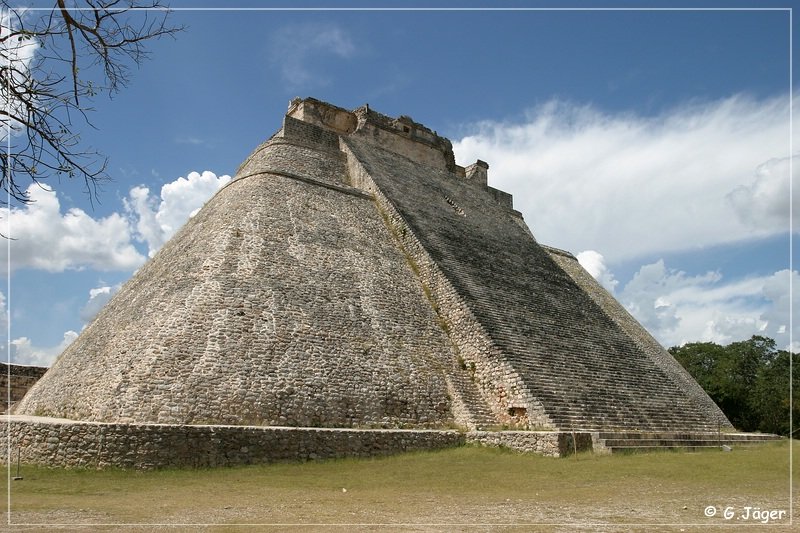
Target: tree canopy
pixel 749 380
pixel 54 62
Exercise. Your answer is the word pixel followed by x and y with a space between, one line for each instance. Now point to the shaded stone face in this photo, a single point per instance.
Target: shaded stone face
pixel 352 275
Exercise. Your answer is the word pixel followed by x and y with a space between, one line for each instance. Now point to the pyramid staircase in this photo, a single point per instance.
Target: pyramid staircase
pixel 477 413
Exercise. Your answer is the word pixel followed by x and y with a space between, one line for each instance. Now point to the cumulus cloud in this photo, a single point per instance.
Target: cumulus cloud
pixel 595 264
pixel 21 350
pixel 44 238
pixel 765 201
pixel 678 308
pixel 47 239
pixel 98 298
pixel 782 300
pixel 297 51
pixel 3 325
pixel 24 352
pixel 630 185
pixel 156 219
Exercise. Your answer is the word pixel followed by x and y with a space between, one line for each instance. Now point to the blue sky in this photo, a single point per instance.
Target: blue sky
pixel 652 144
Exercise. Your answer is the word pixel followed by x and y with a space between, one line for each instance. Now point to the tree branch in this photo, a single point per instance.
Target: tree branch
pixel 46 85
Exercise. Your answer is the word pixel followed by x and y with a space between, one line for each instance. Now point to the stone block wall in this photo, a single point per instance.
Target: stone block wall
pixel 284 301
pixel 499 388
pixel 318 113
pixel 314 135
pixel 65 443
pixel 547 443
pixel 15 380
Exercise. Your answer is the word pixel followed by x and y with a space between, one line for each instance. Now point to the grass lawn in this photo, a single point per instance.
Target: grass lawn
pixel 463 489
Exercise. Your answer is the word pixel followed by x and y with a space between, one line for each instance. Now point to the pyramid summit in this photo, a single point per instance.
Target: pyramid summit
pixel 352 275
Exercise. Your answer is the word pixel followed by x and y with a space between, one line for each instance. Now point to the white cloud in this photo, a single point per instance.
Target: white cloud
pixel 765 201
pixel 297 49
pixel 677 308
pixel 45 238
pixel 17 53
pixel 98 298
pixel 23 351
pixel 594 263
pixel 3 326
pixel 649 296
pixel 156 219
pixel 190 140
pixel 630 185
pixel 776 290
pixel 49 240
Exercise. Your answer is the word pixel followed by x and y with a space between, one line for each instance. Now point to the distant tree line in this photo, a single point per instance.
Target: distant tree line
pixel 749 380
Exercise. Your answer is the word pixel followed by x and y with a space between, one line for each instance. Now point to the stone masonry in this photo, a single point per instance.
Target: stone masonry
pixel 352 275
pixel 17 379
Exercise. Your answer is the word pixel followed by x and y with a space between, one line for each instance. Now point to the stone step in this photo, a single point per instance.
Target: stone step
pixel 650 449
pixel 480 415
pixel 688 435
pixel 657 443
pixel 569 354
pixel 604 424
pixel 626 442
pixel 689 421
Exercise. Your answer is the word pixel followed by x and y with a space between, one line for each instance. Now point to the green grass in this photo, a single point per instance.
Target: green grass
pixel 466 485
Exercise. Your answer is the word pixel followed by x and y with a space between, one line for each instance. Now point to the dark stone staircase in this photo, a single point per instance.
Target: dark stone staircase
pixel 583 368
pixel 630 441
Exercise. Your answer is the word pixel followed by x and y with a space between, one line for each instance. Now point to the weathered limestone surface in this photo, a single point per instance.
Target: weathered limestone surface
pixel 354 276
pixel 543 347
pixel 547 443
pixel 706 410
pixel 15 380
pixel 65 443
pixel 281 302
pixel 491 388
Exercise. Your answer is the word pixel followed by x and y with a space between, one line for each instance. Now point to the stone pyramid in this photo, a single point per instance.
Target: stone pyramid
pixel 352 275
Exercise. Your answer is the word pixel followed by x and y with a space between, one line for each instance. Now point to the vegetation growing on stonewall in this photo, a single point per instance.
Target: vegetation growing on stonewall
pixel 749 380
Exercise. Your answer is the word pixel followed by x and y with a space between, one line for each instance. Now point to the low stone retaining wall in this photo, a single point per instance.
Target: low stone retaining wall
pixel 548 443
pixel 67 443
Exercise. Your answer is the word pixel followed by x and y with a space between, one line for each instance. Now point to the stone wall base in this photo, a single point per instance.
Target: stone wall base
pixel 548 443
pixel 67 443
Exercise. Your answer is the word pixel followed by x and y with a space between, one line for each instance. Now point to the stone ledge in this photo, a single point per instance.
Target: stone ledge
pixel 59 442
pixel 68 443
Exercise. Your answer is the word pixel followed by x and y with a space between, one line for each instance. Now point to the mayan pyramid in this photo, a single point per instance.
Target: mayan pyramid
pixel 353 275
